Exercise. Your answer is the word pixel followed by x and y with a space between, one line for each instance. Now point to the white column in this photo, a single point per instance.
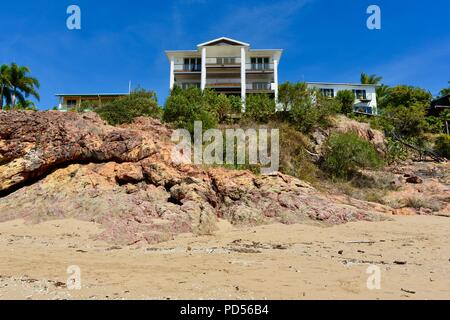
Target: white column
pixel 203 84
pixel 275 78
pixel 243 78
pixel 172 73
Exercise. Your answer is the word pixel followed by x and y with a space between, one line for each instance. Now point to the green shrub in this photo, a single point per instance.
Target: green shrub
pixel 184 107
pixel 395 151
pixel 346 153
pixel 442 145
pixel 259 108
pixel 347 101
pixel 125 109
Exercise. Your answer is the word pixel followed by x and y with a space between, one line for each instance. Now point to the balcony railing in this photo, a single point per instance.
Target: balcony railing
pixel 259 66
pixel 223 61
pixel 365 97
pixel 188 67
pixel 223 83
pixel 260 86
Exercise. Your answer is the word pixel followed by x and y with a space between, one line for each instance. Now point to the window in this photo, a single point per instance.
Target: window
pixel 260 63
pixel 192 64
pixel 327 92
pixel 71 103
pixel 360 94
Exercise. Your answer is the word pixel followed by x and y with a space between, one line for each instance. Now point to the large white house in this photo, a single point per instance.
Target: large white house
pixel 232 67
pixel 228 66
pixel 365 94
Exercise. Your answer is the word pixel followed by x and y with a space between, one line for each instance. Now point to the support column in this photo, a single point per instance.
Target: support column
pixel 172 73
pixel 275 78
pixel 243 78
pixel 203 83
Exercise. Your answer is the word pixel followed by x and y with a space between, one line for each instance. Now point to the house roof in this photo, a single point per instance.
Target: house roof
pixel 224 40
pixel 343 84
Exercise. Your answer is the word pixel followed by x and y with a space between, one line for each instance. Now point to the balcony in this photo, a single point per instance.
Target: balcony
pixel 223 83
pixel 259 67
pixel 259 87
pixel 195 68
pixel 365 98
pixel 223 62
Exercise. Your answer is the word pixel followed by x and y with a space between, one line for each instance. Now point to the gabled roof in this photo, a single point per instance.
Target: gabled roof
pixel 224 40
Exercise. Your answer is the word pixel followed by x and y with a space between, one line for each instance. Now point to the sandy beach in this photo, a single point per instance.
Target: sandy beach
pixel 266 262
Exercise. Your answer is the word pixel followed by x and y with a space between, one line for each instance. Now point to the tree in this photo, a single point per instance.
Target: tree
pixel 21 84
pixel 184 107
pixel 346 153
pixel 445 91
pixel 5 85
pixel 347 101
pixel 259 107
pixel 408 96
pixel 370 79
pixel 125 109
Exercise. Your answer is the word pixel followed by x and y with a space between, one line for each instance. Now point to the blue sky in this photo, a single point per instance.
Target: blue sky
pixel 324 40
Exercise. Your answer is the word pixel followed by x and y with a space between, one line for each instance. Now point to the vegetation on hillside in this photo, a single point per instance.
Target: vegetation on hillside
pixel 125 109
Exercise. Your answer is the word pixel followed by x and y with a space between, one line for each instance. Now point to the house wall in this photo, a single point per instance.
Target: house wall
pixel 370 90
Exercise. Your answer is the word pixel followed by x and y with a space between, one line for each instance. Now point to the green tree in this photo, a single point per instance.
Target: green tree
pixel 346 153
pixel 408 96
pixel 125 109
pixel 292 93
pixel 5 85
pixel 347 101
pixel 445 91
pixel 260 108
pixel 21 84
pixel 370 79
pixel 184 107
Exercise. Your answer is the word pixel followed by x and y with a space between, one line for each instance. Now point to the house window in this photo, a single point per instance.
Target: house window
pixel 327 92
pixel 360 94
pixel 71 103
pixel 260 63
pixel 192 64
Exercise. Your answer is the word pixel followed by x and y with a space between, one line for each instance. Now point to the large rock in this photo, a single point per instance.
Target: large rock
pixel 58 165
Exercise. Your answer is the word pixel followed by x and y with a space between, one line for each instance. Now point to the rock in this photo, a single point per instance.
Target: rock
pixel 414 180
pixel 57 165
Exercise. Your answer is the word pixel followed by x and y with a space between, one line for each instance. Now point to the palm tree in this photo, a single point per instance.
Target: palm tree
pixel 370 79
pixel 5 84
pixel 22 85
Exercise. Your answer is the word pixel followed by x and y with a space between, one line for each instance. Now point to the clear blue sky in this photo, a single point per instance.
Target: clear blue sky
pixel 324 40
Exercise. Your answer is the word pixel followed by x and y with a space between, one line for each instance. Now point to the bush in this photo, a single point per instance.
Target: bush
pixel 347 153
pixel 259 108
pixel 125 109
pixel 406 121
pixel 442 145
pixel 347 100
pixel 184 107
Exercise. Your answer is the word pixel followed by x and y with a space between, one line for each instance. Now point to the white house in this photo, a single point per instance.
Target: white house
pixel 365 94
pixel 228 66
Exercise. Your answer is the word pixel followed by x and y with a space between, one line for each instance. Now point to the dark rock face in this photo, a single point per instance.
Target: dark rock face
pixel 64 165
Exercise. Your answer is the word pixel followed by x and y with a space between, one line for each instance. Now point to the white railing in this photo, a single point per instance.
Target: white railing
pixel 259 86
pixel 259 66
pixel 223 60
pixel 223 81
pixel 188 67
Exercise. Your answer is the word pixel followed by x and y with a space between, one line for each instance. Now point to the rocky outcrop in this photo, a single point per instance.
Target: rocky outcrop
pixel 58 165
pixel 342 124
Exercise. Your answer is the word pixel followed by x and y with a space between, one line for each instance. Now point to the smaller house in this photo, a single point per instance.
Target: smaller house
pixel 365 94
pixel 69 101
